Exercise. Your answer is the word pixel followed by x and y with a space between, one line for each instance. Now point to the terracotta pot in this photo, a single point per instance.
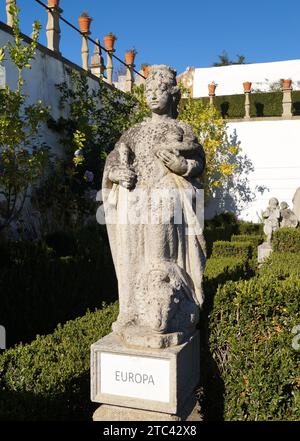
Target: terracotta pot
pixel 286 84
pixel 212 88
pixel 109 42
pixel 247 86
pixel 145 69
pixel 84 24
pixel 53 3
pixel 129 57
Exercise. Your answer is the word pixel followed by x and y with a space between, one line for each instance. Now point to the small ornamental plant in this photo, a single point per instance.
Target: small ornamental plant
pixel 84 21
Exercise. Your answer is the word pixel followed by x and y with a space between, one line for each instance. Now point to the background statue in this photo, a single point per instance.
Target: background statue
pixel 271 218
pixel 296 202
pixel 158 265
pixel 287 216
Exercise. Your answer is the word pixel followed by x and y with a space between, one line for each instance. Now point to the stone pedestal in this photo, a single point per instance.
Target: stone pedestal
pixel 263 251
pixel 144 384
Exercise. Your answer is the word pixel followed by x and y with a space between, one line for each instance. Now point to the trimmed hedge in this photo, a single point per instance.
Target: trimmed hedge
pixel 286 240
pixel 254 239
pixel 266 104
pixel 257 368
pixel 232 249
pixel 49 379
pixel 281 265
pixel 41 286
pixel 261 104
pixel 250 228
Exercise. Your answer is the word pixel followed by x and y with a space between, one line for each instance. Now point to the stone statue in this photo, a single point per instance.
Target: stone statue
pixel 296 202
pixel 271 218
pixel 158 265
pixel 287 216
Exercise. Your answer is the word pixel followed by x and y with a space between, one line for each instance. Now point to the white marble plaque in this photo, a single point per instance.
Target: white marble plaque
pixel 146 378
pixel 2 77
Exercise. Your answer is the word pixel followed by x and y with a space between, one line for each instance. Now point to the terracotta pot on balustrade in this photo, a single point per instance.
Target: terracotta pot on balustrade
pixel 130 56
pixel 212 89
pixel 109 41
pixel 286 84
pixel 145 69
pixel 53 3
pixel 247 86
pixel 84 23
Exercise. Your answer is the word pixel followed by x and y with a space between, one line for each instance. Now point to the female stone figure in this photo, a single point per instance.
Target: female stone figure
pixel 159 264
pixel 271 218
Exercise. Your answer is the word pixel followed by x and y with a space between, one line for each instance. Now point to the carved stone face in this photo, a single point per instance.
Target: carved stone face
pixel 158 96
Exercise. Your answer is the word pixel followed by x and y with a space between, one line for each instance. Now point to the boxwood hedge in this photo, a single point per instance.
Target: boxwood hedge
pixel 286 240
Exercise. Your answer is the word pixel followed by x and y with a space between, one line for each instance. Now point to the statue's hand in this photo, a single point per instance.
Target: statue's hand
pixel 174 162
pixel 122 175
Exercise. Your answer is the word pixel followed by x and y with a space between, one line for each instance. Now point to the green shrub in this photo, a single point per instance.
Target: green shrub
pixel 281 265
pixel 220 227
pixel 254 239
pixel 266 104
pixel 251 343
pixel 49 379
pixel 232 249
pixel 286 240
pixel 40 289
pixel 296 102
pixel 249 228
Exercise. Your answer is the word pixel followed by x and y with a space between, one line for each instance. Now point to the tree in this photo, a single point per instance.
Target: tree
pixel 224 60
pixel 22 157
pixel 225 178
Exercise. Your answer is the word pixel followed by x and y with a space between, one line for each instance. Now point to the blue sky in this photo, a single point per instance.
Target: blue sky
pixel 181 33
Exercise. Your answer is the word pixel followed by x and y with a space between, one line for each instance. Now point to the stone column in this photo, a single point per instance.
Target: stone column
pixel 9 18
pixel 287 103
pixel 97 64
pixel 247 105
pixel 211 99
pixel 53 28
pixel 85 51
pixel 129 77
pixel 109 66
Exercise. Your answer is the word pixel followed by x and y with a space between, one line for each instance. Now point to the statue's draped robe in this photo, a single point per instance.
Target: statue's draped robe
pixel 136 247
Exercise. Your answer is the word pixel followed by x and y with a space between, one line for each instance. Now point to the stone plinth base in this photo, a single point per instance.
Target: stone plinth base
pixel 155 380
pixel 263 251
pixel 115 413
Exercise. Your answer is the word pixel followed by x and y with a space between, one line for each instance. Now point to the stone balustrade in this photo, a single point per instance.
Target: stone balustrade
pixel 96 66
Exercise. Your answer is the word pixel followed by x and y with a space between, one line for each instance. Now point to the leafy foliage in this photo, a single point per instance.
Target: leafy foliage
pixel 51 281
pixel 49 378
pixel 251 342
pixel 232 249
pixel 286 240
pixel 23 157
pixel 224 60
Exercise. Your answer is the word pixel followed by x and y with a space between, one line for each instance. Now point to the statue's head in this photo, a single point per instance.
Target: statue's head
pixel 162 92
pixel 284 205
pixel 273 202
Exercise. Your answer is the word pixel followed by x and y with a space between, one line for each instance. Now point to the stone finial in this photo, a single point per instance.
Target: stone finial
pixel 53 27
pixel 9 17
pixel 97 63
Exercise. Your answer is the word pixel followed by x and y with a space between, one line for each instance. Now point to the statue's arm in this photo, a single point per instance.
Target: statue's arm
pixel 195 157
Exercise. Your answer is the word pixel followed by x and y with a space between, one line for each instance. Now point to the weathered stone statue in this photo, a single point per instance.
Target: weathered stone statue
pixel 159 263
pixel 271 218
pixel 296 202
pixel 287 216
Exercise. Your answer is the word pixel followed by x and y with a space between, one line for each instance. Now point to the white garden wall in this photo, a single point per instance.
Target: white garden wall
pixel 274 149
pixel 230 79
